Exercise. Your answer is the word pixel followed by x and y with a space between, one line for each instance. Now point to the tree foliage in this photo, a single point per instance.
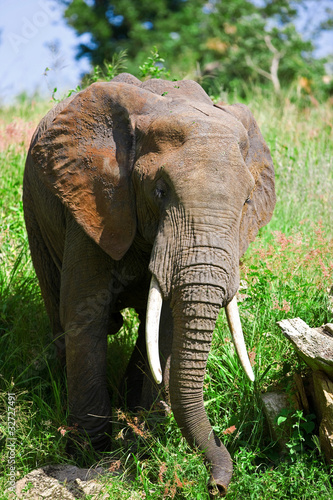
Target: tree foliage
pixel 238 42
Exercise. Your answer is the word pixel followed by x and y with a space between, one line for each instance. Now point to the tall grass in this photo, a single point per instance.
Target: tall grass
pixel 286 272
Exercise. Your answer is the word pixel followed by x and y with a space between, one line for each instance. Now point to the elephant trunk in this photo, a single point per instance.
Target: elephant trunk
pixel 196 300
pixel 198 276
pixel 193 329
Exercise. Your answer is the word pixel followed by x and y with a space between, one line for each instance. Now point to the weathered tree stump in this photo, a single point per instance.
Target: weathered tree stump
pixel 315 347
pixel 323 392
pixel 274 402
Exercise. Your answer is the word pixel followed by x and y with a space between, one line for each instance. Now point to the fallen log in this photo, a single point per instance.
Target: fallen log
pixel 314 345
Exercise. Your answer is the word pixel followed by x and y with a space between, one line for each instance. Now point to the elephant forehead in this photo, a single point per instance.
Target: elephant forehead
pixel 178 132
pixel 217 178
pixel 200 156
pixel 197 160
pixel 163 133
pixel 220 134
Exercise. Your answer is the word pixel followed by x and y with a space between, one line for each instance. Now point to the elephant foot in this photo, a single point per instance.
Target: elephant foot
pixel 82 448
pixel 81 443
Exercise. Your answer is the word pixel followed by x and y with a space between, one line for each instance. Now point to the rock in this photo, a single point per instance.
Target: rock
pixel 65 482
pixel 314 345
pixel 323 393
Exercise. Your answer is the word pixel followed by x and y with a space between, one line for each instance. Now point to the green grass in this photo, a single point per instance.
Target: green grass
pixel 287 273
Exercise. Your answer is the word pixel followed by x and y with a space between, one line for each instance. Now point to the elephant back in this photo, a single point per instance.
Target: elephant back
pixel 182 89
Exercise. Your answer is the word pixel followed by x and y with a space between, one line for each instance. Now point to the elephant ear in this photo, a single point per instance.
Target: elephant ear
pixel 85 158
pixel 257 212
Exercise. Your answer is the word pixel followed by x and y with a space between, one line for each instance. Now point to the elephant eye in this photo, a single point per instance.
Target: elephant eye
pixel 160 193
pixel 247 200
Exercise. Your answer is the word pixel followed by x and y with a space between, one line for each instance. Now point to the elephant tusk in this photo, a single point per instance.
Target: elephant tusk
pixel 238 338
pixel 154 308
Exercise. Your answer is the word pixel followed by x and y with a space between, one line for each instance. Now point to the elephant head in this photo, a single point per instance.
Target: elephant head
pixel 159 166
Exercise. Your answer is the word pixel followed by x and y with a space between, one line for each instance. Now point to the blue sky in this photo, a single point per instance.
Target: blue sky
pixel 35 37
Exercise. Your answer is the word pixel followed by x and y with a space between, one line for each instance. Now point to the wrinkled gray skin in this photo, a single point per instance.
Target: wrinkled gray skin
pixel 129 179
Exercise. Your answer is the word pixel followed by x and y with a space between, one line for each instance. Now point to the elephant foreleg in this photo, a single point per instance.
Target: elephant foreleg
pixel 85 301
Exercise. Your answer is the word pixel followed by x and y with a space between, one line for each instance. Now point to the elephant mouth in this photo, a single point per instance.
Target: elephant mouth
pixel 154 308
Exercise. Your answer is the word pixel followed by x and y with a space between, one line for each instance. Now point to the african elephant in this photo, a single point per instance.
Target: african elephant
pixel 135 190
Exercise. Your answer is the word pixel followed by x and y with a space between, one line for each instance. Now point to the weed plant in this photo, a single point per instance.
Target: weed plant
pixel 287 272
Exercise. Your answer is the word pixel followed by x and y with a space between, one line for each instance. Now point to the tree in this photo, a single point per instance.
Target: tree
pixel 256 44
pixel 115 25
pixel 238 42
